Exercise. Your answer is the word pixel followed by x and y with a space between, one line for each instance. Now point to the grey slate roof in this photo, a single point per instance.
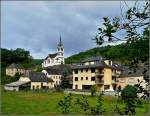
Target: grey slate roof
pixel 14 65
pixel 39 77
pixel 17 83
pixel 99 63
pixel 53 71
pixel 51 55
pixel 94 58
pixel 132 73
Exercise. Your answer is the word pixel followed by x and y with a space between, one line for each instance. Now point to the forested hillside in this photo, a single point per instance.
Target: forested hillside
pixel 129 54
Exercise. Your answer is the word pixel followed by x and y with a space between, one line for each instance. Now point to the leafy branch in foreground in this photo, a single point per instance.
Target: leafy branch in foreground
pixel 133 20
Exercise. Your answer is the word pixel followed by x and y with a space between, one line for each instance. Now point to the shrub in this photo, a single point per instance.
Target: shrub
pixel 93 90
pixel 65 104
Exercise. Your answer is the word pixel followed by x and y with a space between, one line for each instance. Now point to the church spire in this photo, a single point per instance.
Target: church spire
pixel 60 42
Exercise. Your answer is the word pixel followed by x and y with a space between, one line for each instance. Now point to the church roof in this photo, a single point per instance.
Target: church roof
pixel 51 55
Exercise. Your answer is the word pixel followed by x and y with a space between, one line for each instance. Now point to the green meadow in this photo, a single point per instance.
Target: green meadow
pixel 42 103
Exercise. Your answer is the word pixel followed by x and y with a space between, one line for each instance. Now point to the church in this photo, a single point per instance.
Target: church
pixel 56 58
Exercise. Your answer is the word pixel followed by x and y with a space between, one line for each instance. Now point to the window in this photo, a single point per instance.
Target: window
pixel 76 86
pixel 92 78
pixel 109 62
pixel 33 87
pixel 37 87
pixel 81 78
pixel 86 70
pixel 86 78
pixel 76 78
pixel 61 49
pixel 93 70
pixel 76 71
pixel 81 70
pixel 106 87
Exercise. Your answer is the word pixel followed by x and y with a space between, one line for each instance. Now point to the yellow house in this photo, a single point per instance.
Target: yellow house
pixel 95 71
pixel 40 80
pixel 12 69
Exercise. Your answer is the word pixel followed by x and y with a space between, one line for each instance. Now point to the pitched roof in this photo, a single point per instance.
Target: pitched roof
pixel 131 72
pixel 39 77
pixel 17 83
pixel 94 58
pixel 53 71
pixel 99 62
pixel 51 55
pixel 14 65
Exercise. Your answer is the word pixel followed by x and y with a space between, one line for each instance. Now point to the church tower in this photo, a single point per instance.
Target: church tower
pixel 60 51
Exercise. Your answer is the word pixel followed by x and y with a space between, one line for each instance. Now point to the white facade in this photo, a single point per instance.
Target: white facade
pixel 56 58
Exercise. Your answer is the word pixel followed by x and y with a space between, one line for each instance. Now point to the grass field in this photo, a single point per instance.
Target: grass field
pixel 19 103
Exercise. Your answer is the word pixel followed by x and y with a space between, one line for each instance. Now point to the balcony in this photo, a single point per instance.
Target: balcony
pixel 99 73
pixel 99 81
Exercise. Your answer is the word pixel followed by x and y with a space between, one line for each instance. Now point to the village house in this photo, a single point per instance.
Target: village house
pixel 131 80
pixel 131 77
pixel 32 80
pixel 54 74
pixel 96 71
pixel 40 81
pixel 14 68
pixel 56 58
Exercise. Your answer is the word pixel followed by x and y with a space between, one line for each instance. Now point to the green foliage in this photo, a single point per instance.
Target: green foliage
pixel 18 55
pixel 65 83
pixel 39 69
pixel 8 79
pixel 127 54
pixel 134 19
pixel 93 90
pixel 65 104
pixel 129 95
pixel 99 108
pixel 83 103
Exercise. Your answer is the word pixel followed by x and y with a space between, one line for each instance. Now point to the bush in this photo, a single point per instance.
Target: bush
pixel 65 104
pixel 93 90
pixel 129 95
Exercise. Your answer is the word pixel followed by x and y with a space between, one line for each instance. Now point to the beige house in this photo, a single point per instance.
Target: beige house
pixel 32 80
pixel 96 71
pixel 40 80
pixel 54 74
pixel 14 68
pixel 131 80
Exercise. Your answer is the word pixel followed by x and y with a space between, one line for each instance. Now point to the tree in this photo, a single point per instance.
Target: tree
pixel 83 102
pixel 93 90
pixel 133 20
pixel 98 109
pixel 65 104
pixel 129 95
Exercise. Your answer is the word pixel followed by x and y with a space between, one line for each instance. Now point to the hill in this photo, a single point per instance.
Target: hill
pixel 127 54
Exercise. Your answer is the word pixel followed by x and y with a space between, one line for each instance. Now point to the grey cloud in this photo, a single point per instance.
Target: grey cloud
pixel 37 25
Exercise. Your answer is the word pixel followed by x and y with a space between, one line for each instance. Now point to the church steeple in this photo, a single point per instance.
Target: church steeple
pixel 60 42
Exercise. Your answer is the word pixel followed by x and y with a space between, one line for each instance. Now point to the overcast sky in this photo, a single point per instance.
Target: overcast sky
pixel 37 25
